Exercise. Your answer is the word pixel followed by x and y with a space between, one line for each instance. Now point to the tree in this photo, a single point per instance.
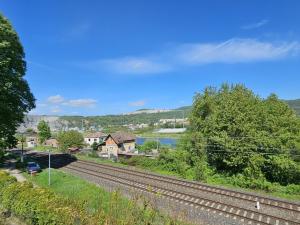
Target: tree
pixel 95 146
pixel 148 146
pixel 68 139
pixel 240 132
pixel 15 96
pixel 44 131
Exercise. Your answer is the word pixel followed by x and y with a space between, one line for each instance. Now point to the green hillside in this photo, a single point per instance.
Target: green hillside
pixel 117 120
pixel 295 104
pixel 149 118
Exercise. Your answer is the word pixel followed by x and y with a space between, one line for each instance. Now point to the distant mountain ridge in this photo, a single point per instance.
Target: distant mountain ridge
pixel 149 116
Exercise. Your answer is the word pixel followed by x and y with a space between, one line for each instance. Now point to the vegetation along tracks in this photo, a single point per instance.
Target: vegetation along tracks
pixel 276 203
pixel 235 212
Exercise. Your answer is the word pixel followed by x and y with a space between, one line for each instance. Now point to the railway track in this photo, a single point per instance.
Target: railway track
pixel 276 203
pixel 245 216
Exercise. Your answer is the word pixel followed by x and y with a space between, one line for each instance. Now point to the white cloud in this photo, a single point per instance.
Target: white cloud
pixel 55 99
pixel 235 51
pixel 132 65
pixel 137 103
pixel 41 105
pixel 255 25
pixel 81 102
pixel 55 109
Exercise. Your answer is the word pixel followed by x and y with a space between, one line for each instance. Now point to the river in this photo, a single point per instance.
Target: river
pixel 163 141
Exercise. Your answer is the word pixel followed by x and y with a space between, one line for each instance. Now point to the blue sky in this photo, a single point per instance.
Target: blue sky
pixel 110 57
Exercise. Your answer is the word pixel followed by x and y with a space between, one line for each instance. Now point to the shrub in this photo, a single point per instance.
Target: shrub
pixel 37 205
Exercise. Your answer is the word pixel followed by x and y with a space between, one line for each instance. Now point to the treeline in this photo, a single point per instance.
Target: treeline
pixel 118 120
pixel 235 131
pixel 236 137
pixel 149 118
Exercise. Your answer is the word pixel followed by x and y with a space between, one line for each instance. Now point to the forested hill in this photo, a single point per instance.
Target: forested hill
pixel 132 118
pixel 141 116
pixel 295 104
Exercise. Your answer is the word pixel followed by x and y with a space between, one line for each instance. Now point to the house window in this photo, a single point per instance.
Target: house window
pixel 95 140
pixel 89 139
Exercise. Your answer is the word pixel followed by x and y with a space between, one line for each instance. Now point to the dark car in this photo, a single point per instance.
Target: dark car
pixel 33 167
pixel 73 150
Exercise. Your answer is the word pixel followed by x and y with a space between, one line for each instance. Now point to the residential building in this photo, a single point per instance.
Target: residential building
pixel 97 137
pixel 31 142
pixel 52 142
pixel 118 143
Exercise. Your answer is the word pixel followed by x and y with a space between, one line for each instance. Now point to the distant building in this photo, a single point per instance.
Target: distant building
pixel 118 143
pixel 52 142
pixel 171 130
pixel 31 142
pixel 97 137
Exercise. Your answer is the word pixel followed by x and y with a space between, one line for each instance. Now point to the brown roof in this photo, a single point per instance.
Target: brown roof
pixel 121 137
pixel 51 140
pixel 96 135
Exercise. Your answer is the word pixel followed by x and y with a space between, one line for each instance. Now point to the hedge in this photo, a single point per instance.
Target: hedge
pixel 39 206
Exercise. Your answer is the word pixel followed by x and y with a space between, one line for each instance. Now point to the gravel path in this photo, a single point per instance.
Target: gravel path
pixel 10 167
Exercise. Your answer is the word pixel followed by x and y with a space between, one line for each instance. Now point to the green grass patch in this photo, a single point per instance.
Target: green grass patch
pixel 111 208
pixel 74 188
pixel 42 148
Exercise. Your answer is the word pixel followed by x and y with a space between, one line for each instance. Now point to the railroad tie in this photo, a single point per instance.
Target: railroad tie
pixel 259 218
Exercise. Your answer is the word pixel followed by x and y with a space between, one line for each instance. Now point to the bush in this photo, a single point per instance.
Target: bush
pixel 283 170
pixel 38 205
pixel 68 139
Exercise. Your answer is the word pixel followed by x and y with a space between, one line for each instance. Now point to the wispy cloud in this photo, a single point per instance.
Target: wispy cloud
pixel 137 103
pixel 55 99
pixel 131 65
pixel 81 103
pixel 235 51
pixel 255 25
pixel 79 30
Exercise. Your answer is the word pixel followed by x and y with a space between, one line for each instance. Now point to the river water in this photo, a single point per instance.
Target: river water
pixel 163 141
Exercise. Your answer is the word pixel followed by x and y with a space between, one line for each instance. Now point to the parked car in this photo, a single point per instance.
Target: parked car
pixel 33 167
pixel 73 150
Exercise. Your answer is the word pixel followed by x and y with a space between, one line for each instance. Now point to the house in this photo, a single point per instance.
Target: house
pixel 118 143
pixel 97 137
pixel 52 142
pixel 31 142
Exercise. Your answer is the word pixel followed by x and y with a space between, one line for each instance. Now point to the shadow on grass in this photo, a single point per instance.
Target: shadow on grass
pixel 57 161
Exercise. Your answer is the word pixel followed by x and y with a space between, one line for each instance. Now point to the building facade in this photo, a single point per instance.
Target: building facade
pixel 52 142
pixel 118 143
pixel 97 137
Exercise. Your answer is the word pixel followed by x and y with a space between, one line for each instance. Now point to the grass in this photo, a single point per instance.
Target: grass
pixel 279 191
pixel 151 134
pixel 45 148
pixel 110 207
pixel 75 188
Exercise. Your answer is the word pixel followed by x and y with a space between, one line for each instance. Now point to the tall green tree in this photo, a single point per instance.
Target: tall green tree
pixel 67 139
pixel 15 96
pixel 243 133
pixel 44 131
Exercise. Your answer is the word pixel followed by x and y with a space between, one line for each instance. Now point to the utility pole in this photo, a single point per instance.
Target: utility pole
pixel 49 179
pixel 182 118
pixel 22 154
